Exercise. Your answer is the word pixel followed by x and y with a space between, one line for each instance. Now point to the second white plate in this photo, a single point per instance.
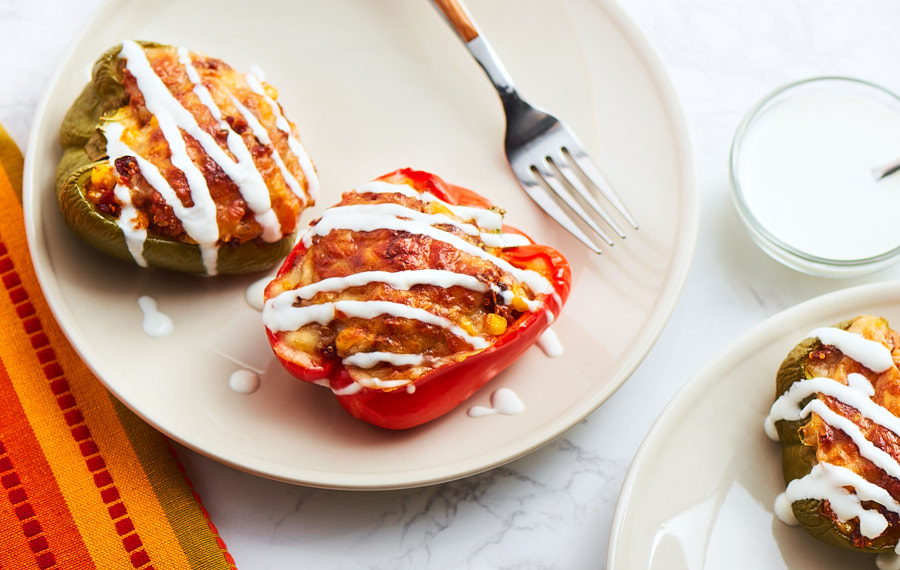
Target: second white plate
pixel 701 489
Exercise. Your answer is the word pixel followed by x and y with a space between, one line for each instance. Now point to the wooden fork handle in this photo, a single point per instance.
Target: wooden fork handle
pixel 458 17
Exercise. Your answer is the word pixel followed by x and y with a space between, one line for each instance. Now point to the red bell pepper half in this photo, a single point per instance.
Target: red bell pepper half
pixel 448 386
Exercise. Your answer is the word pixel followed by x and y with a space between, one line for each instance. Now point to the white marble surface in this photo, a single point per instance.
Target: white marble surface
pixel 553 508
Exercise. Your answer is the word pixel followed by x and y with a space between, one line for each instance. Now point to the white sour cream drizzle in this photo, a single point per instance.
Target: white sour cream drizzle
pixel 284 126
pixel 372 217
pixel 349 389
pixel 242 172
pixel 830 482
pixel 370 359
pixel 503 401
pixel 490 220
pixel 280 314
pixel 549 343
pixel 184 58
pixel 255 293
pixel 871 354
pixel 485 218
pixel 128 222
pixel 503 240
pixel 262 134
pixel 199 221
pixel 401 280
pixel 155 323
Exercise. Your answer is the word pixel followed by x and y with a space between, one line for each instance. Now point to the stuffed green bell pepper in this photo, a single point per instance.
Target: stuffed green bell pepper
pixel 836 416
pixel 173 159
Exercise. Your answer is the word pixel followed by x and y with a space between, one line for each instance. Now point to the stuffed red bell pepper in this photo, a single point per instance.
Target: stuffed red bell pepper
pixel 408 296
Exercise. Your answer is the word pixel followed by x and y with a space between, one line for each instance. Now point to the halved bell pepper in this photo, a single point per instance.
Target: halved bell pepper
pixel 445 387
pixel 810 440
pixel 85 163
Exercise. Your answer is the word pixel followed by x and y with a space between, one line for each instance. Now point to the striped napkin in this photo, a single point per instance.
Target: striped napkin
pixel 84 483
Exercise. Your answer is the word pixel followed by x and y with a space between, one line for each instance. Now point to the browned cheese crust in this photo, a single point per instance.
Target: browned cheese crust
pixel 342 252
pixel 833 446
pixel 144 136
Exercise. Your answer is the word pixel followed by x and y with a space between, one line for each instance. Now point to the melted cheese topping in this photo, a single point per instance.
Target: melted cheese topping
pixel 175 122
pixel 286 312
pixel 843 488
pixel 371 217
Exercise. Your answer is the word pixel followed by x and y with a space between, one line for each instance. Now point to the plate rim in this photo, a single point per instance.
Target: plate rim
pixel 660 315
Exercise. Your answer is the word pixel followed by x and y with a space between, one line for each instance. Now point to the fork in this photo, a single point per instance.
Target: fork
pixel 542 151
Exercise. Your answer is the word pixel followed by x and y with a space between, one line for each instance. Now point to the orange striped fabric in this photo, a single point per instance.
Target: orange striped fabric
pixel 84 483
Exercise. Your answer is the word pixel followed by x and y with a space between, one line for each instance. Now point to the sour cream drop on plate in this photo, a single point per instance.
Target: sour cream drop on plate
pixel 155 323
pixel 255 293
pixel 549 343
pixel 503 401
pixel 243 381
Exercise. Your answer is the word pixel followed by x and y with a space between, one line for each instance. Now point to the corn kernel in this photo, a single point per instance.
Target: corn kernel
pixel 495 324
pixel 101 176
pixel 519 304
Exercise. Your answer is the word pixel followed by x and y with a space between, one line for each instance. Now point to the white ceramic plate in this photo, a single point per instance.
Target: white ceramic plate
pixel 701 489
pixel 375 86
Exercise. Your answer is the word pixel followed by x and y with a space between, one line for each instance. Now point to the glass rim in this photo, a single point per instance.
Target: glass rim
pixel 737 192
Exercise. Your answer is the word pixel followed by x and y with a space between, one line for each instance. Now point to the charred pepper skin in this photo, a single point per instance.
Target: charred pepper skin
pixel 445 388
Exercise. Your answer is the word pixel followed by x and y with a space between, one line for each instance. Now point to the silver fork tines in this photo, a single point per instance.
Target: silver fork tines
pixel 544 154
